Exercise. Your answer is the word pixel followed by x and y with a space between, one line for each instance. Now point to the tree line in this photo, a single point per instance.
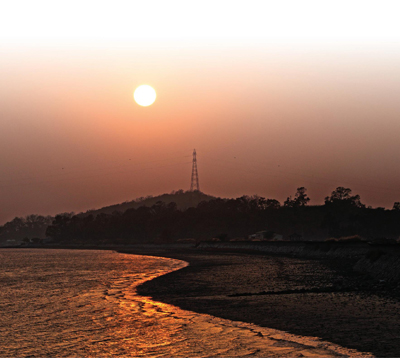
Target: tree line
pixel 342 214
pixel 28 227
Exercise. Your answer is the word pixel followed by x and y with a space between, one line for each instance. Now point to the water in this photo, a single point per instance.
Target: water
pixel 84 303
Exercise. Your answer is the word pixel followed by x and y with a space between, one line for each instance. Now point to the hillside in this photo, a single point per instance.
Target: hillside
pixel 182 199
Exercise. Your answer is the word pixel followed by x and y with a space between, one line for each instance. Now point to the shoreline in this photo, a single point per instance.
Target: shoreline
pixel 243 337
pixel 235 286
pixel 326 298
pixel 188 333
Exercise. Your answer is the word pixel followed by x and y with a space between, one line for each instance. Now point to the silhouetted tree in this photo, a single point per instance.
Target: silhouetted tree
pixel 342 196
pixel 289 202
pixel 300 199
pixel 60 227
pixel 272 204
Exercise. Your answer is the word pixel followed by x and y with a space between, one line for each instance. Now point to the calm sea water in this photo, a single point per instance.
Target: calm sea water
pixel 84 303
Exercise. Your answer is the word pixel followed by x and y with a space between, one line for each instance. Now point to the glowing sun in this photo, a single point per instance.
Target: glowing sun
pixel 144 95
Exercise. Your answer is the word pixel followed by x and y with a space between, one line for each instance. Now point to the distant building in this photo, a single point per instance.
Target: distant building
pixel 265 236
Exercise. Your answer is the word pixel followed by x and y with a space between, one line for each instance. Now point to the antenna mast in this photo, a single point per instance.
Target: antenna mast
pixel 194 186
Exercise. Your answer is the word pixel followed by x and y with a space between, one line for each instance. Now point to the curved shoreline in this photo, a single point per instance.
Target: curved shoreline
pixel 260 340
pixel 354 319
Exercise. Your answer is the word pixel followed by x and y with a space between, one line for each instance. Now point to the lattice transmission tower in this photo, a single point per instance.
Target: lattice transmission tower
pixel 194 185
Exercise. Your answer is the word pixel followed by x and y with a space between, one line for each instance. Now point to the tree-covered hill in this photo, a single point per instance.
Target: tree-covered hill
pixel 195 215
pixel 182 199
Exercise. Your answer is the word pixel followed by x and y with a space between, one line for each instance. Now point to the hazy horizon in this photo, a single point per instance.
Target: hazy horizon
pixel 268 107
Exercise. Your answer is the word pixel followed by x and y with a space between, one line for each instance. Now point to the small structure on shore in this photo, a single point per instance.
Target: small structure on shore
pixel 265 236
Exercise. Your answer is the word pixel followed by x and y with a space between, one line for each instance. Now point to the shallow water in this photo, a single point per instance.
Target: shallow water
pixel 84 303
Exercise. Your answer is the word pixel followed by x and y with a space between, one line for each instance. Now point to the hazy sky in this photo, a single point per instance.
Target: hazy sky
pixel 273 96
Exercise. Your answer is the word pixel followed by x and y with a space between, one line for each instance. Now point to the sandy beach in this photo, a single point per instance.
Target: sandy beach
pixel 318 298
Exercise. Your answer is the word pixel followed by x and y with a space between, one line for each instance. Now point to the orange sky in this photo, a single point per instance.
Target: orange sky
pixel 264 116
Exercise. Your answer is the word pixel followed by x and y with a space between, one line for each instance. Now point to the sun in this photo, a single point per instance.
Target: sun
pixel 144 95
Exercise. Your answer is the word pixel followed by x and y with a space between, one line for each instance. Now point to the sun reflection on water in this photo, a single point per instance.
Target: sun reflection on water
pixel 84 303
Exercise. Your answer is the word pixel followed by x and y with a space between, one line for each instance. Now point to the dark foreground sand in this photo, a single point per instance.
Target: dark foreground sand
pixel 321 298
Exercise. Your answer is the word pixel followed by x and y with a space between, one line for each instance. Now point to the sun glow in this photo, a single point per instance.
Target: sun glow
pixel 144 95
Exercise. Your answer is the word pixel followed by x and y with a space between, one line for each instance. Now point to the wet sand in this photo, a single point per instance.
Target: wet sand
pixel 318 298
